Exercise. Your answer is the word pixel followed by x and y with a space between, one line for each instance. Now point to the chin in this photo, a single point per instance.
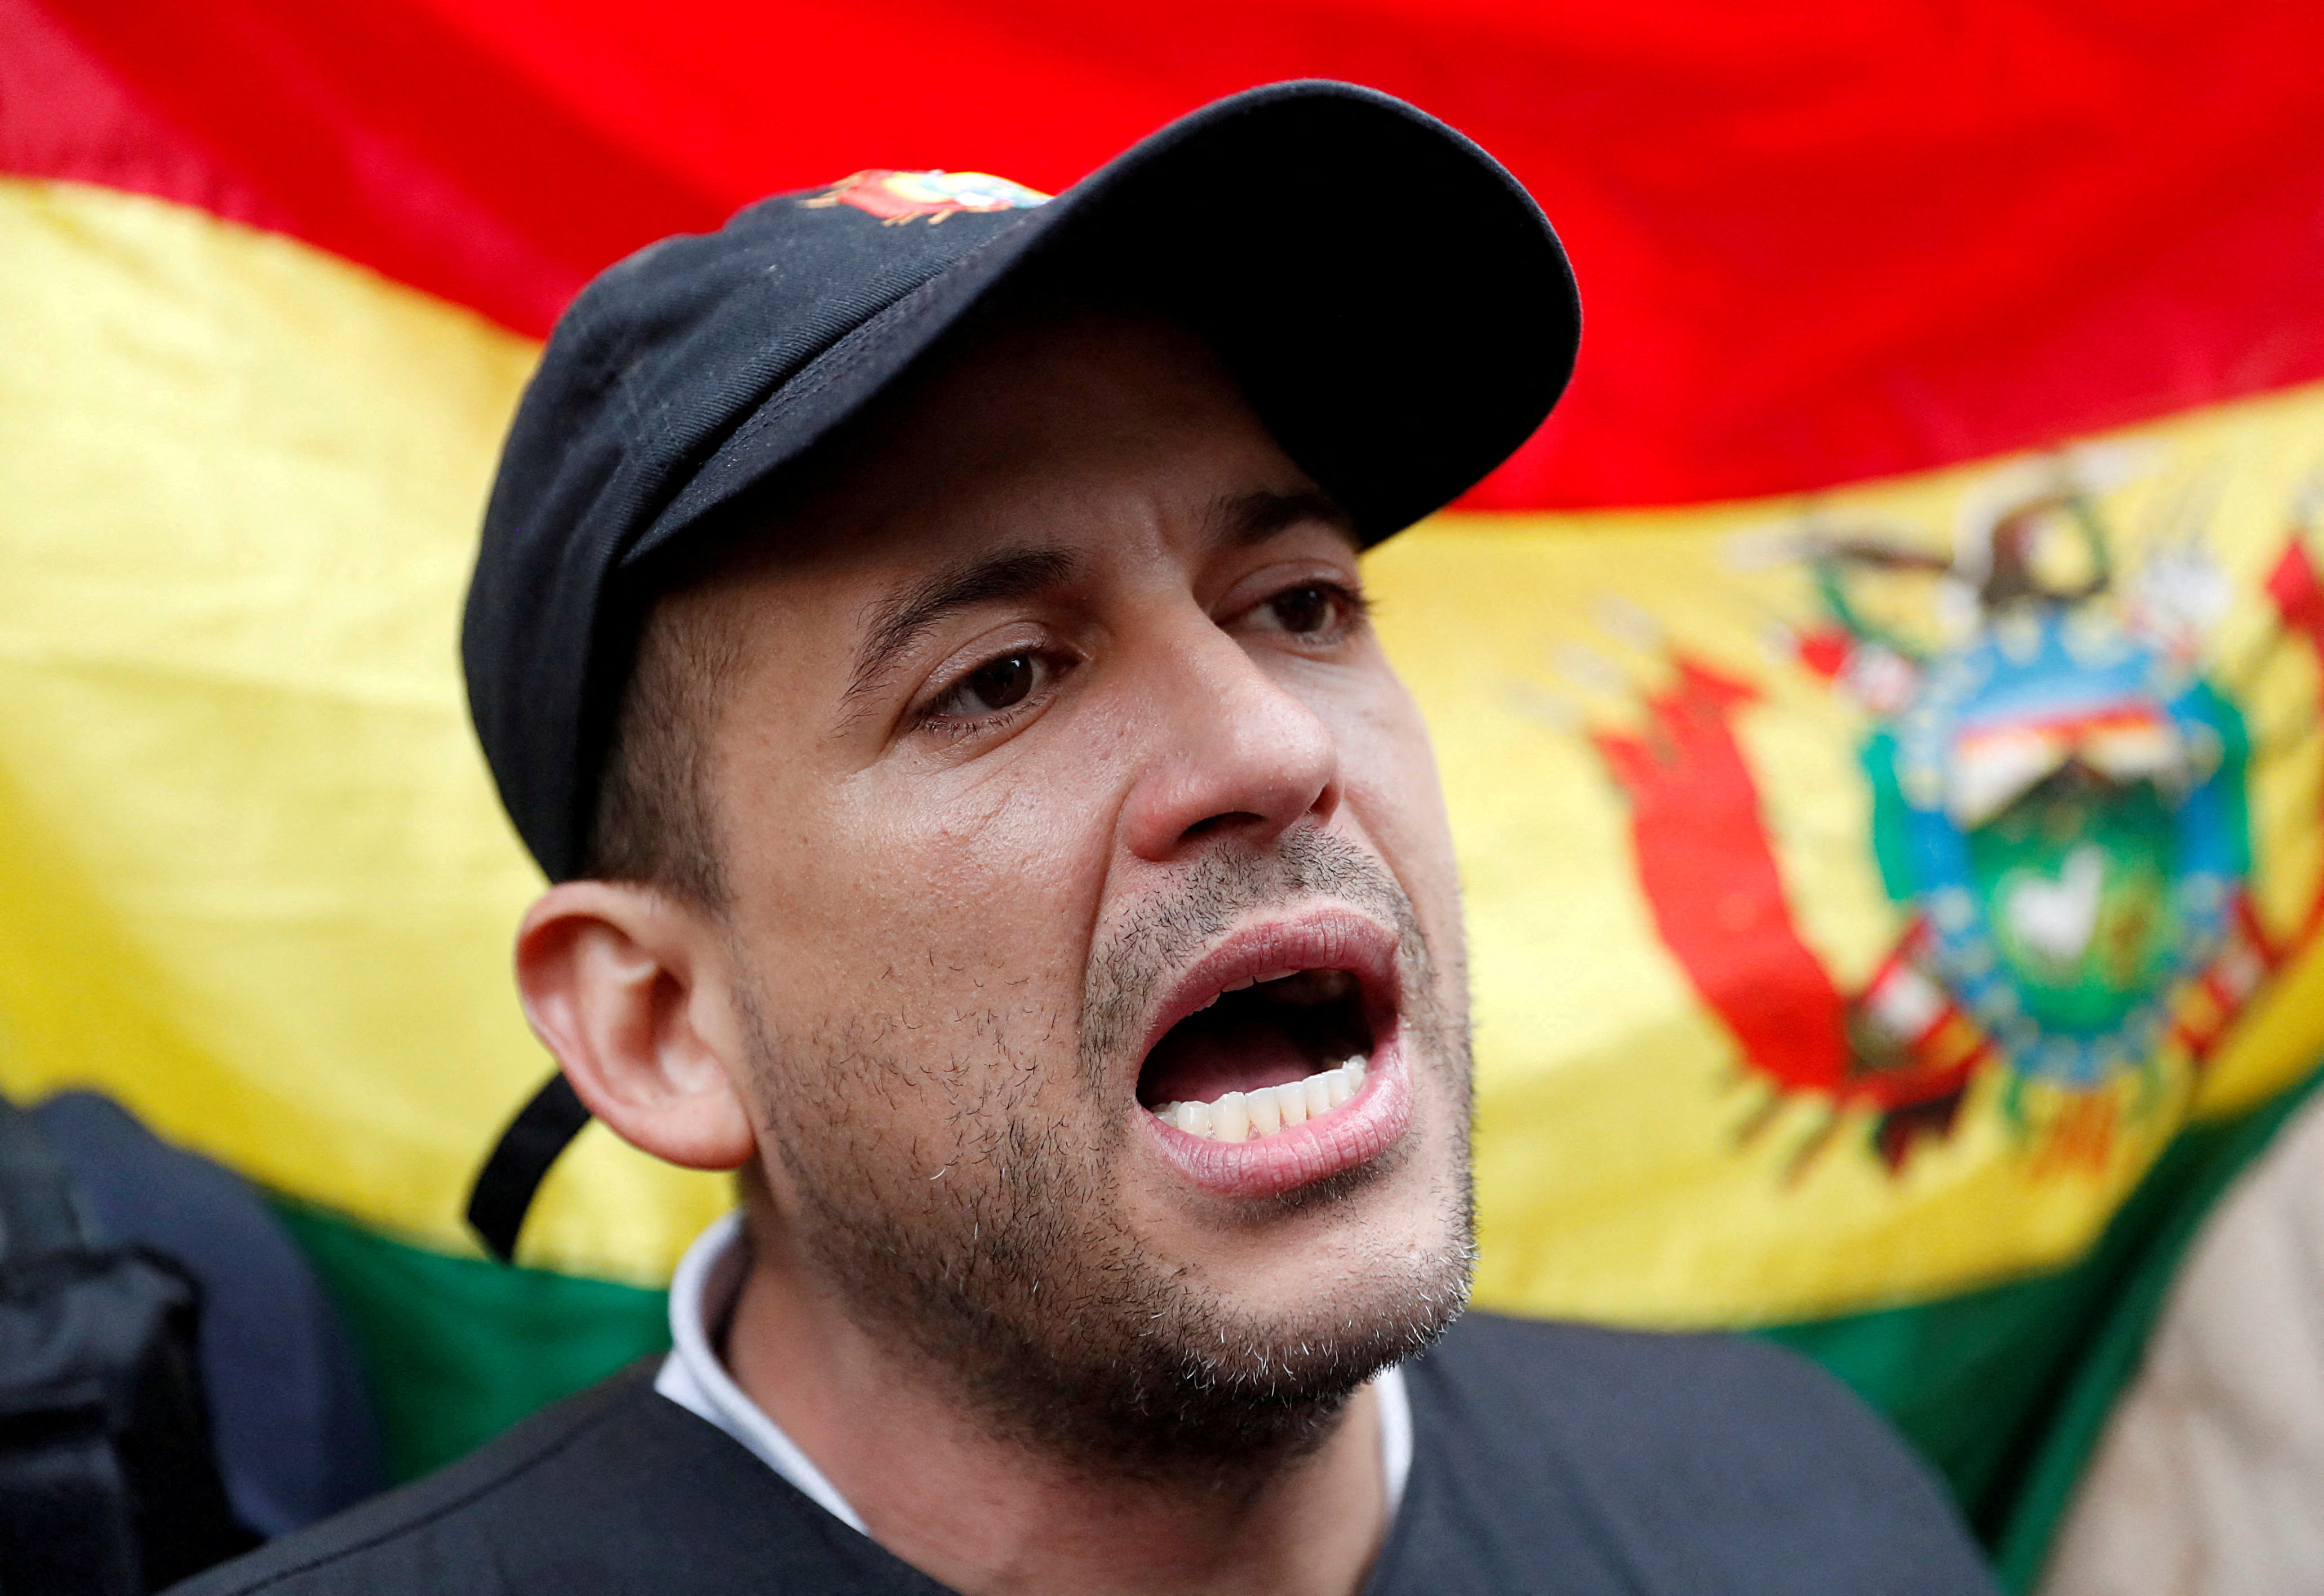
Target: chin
pixel 1381 1255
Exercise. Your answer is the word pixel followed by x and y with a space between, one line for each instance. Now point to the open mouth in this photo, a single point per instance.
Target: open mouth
pixel 1272 1052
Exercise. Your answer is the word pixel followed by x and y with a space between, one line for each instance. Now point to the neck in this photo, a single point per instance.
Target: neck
pixel 984 1511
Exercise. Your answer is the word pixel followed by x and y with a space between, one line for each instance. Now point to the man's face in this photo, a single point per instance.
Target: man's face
pixel 1061 781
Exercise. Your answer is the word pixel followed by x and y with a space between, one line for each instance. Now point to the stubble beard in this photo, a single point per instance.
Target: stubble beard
pixel 1014 1278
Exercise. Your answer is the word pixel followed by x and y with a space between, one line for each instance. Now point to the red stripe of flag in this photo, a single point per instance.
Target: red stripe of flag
pixel 1819 244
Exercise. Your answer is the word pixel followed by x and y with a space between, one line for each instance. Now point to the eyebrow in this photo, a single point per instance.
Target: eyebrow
pixel 904 616
pixel 1244 519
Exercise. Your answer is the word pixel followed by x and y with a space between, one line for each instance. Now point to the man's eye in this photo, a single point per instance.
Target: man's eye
pixel 991 687
pixel 1316 607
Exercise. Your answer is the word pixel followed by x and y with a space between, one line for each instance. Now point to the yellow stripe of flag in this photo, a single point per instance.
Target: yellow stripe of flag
pixel 254 881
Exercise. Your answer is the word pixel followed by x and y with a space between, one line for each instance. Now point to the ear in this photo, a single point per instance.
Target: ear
pixel 631 991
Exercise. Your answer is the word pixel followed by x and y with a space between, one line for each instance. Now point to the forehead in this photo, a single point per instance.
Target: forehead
pixel 1037 427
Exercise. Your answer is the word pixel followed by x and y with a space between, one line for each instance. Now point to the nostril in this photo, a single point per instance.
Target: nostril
pixel 1233 820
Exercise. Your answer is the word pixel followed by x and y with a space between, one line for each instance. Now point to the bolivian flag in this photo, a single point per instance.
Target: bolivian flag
pixel 1880 711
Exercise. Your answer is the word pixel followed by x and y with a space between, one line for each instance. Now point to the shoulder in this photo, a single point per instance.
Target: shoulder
pixel 1581 1371
pixel 615 1491
pixel 1673 1463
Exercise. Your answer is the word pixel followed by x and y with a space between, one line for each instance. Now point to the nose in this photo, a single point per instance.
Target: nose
pixel 1231 751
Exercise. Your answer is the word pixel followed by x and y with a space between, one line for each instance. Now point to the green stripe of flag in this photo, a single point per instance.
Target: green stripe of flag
pixel 458 1349
pixel 2007 1390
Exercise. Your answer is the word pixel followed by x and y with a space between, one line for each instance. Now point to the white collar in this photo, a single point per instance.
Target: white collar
pixel 709 1277
pixel 702 1293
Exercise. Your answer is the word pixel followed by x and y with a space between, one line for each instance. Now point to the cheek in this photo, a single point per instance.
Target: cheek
pixel 950 924
pixel 1388 770
pixel 1389 767
pixel 1000 875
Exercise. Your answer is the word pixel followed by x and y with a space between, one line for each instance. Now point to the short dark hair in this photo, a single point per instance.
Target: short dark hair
pixel 655 823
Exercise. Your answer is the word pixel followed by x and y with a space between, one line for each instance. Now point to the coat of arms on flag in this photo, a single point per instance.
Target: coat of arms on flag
pixel 2057 768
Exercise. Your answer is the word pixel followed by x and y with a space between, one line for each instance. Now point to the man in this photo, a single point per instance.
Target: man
pixel 919 631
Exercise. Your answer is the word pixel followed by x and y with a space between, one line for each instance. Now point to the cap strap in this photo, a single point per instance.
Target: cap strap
pixel 543 1128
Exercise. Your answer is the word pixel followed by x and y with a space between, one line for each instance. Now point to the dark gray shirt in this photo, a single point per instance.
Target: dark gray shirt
pixel 1551 1458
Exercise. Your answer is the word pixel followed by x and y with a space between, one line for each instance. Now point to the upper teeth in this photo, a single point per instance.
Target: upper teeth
pixel 1238 1116
pixel 1258 980
pixel 1251 981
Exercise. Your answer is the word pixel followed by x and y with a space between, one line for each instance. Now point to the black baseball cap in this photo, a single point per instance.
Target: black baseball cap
pixel 1391 300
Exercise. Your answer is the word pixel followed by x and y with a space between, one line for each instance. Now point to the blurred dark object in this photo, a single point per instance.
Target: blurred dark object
pixel 295 1434
pixel 107 1483
pixel 174 1386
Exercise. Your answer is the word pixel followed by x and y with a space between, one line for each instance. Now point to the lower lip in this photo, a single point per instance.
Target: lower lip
pixel 1350 1136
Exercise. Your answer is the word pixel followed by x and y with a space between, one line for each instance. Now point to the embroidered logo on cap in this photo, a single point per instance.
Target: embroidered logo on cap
pixel 896 196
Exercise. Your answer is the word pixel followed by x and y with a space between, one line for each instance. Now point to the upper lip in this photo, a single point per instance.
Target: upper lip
pixel 1334 937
